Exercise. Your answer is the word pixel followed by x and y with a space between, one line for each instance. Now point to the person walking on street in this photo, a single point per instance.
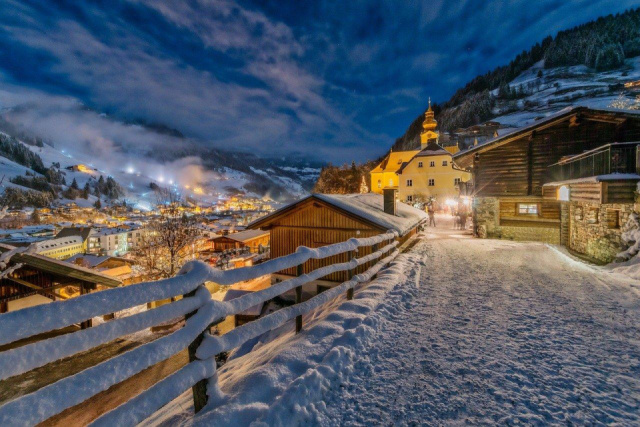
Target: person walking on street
pixel 432 215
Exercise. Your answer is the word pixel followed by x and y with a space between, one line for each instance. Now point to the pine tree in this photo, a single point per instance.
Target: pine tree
pixel 86 191
pixel 74 184
pixel 97 204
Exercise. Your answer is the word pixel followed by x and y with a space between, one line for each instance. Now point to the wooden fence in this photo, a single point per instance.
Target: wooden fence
pixel 196 306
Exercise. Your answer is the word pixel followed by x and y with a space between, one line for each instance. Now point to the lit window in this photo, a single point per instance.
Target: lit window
pixel 563 193
pixel 456 181
pixel 379 184
pixel 432 164
pixel 419 164
pixel 444 163
pixel 432 182
pixel 527 209
pixel 409 183
pixel 391 183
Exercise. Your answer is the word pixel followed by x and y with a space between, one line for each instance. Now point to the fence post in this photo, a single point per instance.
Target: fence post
pixel 200 388
pixel 374 249
pixel 299 300
pixel 350 273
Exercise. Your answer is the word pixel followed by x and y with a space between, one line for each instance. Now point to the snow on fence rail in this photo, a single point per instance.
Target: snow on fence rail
pixel 200 311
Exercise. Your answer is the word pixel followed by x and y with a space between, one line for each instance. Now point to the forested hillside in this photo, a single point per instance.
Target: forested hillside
pixel 602 45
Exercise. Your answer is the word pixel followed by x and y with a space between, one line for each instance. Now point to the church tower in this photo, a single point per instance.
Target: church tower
pixel 429 126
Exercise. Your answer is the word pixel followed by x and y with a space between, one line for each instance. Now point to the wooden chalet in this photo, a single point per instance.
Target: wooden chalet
pixel 324 219
pixel 512 174
pixel 39 279
pixel 253 239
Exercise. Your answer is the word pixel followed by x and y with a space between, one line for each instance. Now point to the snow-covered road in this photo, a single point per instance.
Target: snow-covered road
pixel 499 332
pixel 456 331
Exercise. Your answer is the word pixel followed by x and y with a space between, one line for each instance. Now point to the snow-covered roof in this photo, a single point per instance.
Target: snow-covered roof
pixel 243 236
pixel 598 178
pixel 60 242
pixel 369 207
pixel 91 261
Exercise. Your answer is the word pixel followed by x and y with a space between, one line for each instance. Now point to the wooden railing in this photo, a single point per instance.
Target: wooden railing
pixel 196 306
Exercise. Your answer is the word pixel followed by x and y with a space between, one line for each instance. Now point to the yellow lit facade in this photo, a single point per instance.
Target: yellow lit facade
pixel 428 172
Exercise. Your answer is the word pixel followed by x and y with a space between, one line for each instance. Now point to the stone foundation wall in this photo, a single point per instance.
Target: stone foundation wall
pixel 487 217
pixel 532 234
pixel 590 232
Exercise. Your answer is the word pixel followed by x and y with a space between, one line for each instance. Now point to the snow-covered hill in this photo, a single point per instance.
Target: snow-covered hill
pixel 550 90
pixel 137 176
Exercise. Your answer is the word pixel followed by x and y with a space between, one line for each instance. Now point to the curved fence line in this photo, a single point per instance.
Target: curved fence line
pixel 59 314
pixel 202 312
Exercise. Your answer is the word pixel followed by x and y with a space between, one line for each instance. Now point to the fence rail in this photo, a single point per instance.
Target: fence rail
pixel 200 312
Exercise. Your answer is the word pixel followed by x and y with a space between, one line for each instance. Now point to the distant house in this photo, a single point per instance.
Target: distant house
pixel 59 248
pixel 569 178
pixel 38 279
pixel 117 267
pixel 252 239
pixel 324 219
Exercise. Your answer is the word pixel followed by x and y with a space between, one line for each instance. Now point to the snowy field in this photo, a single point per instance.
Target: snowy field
pixel 456 331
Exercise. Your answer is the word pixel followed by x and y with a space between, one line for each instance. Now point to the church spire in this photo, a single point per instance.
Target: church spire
pixel 429 126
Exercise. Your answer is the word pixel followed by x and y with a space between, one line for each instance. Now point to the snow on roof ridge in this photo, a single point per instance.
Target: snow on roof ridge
pixel 370 206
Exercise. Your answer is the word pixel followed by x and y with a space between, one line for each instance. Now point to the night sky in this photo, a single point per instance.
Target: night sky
pixel 331 80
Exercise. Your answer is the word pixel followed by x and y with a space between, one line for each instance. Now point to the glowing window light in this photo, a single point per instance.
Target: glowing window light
pixel 563 193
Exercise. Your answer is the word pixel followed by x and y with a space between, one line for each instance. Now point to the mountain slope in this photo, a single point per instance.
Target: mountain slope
pixel 583 63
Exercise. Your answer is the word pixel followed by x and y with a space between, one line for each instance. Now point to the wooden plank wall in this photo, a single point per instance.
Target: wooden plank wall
pixel 520 167
pixel 620 191
pixel 316 225
pixel 586 192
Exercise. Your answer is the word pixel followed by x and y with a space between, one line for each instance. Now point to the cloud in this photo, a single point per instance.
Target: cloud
pixel 330 80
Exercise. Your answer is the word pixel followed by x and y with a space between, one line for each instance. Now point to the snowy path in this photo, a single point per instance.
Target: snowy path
pixel 499 332
pixel 456 331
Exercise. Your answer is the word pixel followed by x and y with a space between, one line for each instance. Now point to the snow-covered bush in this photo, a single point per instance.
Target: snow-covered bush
pixel 630 238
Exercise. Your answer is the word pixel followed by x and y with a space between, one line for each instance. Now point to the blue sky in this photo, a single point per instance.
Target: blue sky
pixel 330 80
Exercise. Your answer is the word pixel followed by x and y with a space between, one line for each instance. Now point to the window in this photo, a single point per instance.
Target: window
pixel 409 183
pixel 456 181
pixel 379 184
pixel 613 218
pixel 563 193
pixel 419 164
pixel 444 163
pixel 391 183
pixel 527 209
pixel 432 164
pixel 432 182
pixel 409 198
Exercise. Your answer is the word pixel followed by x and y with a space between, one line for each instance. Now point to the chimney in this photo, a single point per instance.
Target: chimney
pixel 389 201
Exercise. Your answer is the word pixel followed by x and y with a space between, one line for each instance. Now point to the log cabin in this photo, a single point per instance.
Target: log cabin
pixel 324 219
pixel 253 239
pixel 528 183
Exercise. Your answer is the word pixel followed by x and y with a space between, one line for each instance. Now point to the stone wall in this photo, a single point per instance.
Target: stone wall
pixel 590 231
pixel 487 217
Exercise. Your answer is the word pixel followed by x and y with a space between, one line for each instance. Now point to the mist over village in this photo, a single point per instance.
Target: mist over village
pixel 280 213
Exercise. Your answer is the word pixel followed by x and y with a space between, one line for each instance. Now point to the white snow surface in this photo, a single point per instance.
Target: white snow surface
pixel 456 331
